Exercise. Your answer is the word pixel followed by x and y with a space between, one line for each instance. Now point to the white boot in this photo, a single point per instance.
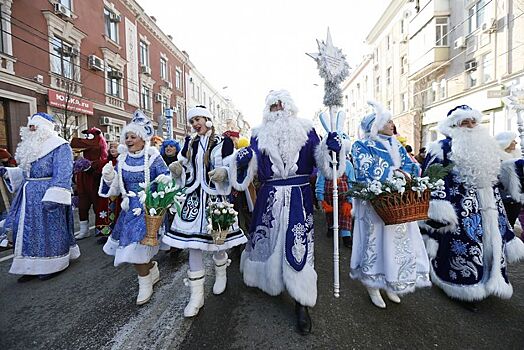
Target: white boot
pixel 195 281
pixel 393 297
pixel 84 230
pixel 155 274
pixel 220 275
pixel 376 298
pixel 145 289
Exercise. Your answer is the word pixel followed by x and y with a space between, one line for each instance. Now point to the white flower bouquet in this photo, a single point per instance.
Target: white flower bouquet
pixel 402 198
pixel 158 197
pixel 220 217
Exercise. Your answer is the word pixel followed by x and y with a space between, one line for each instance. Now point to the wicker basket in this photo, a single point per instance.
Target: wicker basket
pixel 153 223
pixel 396 208
pixel 219 236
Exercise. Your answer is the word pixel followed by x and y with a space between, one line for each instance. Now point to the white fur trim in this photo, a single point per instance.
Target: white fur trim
pixel 13 178
pixel 301 285
pixel 135 129
pixel 323 159
pixel 458 291
pixel 442 211
pixel 198 112
pixel 40 266
pixel 447 124
pixel 284 97
pixel 382 116
pixel 40 122
pixel 114 189
pixel 57 195
pixel 252 168
pixel 134 253
pixel 431 246
pixel 510 180
pixel 434 149
pixel 514 250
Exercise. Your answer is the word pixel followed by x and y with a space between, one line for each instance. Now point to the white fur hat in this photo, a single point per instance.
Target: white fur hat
pixel 42 120
pixel 456 116
pixel 285 98
pixel 372 123
pixel 505 138
pixel 200 111
pixel 139 125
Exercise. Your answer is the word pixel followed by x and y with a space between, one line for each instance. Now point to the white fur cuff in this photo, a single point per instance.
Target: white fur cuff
pixel 323 159
pixel 443 211
pixel 252 168
pixel 514 250
pixel 57 195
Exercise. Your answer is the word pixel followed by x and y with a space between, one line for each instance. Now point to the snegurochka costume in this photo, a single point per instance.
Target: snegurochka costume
pixel 41 216
pixel 469 239
pixel 131 170
pixel 200 158
pixel 388 257
pixel 283 152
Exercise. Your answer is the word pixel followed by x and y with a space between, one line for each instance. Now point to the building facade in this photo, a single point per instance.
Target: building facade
pixel 89 63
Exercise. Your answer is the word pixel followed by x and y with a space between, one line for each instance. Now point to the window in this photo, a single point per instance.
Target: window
pixel 144 53
pixel 401 26
pixel 204 96
pixel 476 15
pixel 111 24
pixel 472 78
pixel 388 105
pixel 165 104
pixel 145 98
pixel 487 67
pixel 198 94
pixel 388 76
pixel 163 68
pixel 442 24
pixel 66 3
pixel 388 44
pixel 443 89
pixel 63 58
pixel 178 79
pixel 114 82
pixel 377 85
pixel 358 90
pixel 2 45
pixel 193 94
pixel 375 56
pixel 180 118
pixel 404 100
pixel 403 64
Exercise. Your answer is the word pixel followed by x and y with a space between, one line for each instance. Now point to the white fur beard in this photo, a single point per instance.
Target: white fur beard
pixel 29 148
pixel 285 133
pixel 476 156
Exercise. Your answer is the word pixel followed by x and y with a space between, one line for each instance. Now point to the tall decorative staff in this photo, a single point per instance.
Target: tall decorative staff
pixel 515 101
pixel 333 68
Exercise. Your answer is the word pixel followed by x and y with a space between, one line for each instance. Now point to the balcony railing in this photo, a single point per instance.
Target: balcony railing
pixel 114 101
pixel 61 83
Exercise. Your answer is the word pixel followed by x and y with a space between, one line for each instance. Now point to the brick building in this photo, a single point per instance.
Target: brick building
pixel 89 63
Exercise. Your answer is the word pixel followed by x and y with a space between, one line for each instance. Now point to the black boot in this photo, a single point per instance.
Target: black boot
pixel 303 319
pixel 347 241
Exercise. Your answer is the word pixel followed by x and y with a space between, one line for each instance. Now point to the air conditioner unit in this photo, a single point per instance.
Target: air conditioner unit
pixel 115 74
pixel 169 85
pixel 470 65
pixel 489 26
pixel 145 69
pixel 159 98
pixel 95 63
pixel 460 43
pixel 108 136
pixel 105 121
pixel 62 10
pixel 110 129
pixel 113 17
pixel 39 79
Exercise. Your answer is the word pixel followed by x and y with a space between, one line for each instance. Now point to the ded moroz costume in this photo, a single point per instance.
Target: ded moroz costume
pixel 469 239
pixel 41 217
pixel 283 152
pixel 388 257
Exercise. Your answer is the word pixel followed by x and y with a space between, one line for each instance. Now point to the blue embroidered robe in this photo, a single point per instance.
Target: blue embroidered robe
pixel 280 251
pixel 469 239
pixel 130 228
pixel 391 257
pixel 43 240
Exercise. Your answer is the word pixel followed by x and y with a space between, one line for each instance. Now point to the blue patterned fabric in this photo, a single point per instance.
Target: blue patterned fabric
pixel 460 259
pixel 42 236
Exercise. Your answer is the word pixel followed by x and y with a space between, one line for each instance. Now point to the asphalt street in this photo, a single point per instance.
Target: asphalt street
pixel 91 305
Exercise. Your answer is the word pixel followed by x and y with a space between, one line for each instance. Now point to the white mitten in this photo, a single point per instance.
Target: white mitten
pixel 108 173
pixel 176 169
pixel 218 175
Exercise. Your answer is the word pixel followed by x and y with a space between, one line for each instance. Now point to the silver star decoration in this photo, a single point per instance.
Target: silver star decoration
pixel 330 59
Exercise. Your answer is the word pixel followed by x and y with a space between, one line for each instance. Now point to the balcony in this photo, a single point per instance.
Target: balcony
pixel 114 101
pixel 64 84
pixel 431 59
pixel 7 63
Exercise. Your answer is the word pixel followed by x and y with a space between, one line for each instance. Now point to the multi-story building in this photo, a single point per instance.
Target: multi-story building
pixel 89 63
pixel 477 56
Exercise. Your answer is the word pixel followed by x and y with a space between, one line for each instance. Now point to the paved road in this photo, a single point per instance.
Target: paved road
pixel 91 306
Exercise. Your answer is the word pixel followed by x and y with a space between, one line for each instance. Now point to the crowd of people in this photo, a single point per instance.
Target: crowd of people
pixel 463 247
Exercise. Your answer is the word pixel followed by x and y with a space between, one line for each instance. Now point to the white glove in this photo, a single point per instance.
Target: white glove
pixel 108 172
pixel 218 175
pixel 176 169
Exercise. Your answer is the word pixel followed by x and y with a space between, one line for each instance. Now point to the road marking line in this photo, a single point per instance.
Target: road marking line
pixel 7 257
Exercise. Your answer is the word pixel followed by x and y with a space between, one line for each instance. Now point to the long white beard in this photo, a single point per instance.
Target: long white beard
pixel 29 148
pixel 285 132
pixel 476 156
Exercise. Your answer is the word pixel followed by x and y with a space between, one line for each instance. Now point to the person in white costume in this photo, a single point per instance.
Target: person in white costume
pixel 202 169
pixel 388 257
